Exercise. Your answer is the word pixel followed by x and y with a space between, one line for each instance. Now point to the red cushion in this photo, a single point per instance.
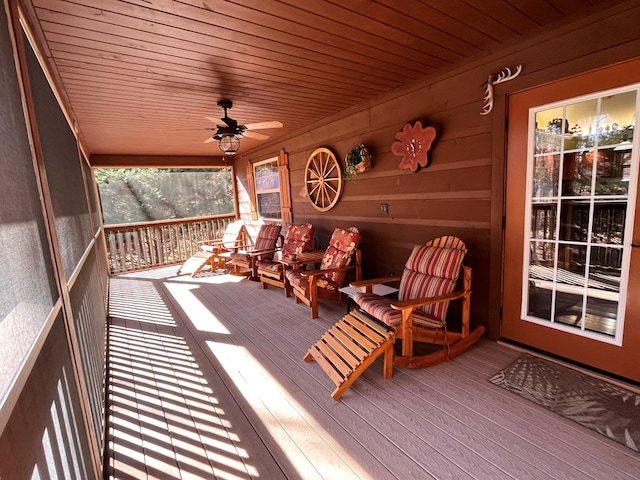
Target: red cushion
pixel 267 238
pixel 436 261
pixel 429 272
pixel 297 239
pixel 339 253
pixel 380 308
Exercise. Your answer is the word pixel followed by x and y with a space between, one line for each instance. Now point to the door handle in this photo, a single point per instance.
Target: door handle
pixel 635 245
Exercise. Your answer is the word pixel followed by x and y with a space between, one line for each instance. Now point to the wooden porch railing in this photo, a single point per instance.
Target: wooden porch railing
pixel 138 246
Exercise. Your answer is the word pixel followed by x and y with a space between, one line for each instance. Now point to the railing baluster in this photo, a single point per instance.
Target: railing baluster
pixel 112 252
pixel 121 255
pixel 136 248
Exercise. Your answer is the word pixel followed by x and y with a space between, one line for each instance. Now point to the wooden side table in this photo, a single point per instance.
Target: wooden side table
pixel 304 258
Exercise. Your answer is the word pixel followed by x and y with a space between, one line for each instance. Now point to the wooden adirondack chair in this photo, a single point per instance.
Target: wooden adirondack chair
pixel 297 240
pixel 427 285
pixel 244 259
pixel 310 285
pixel 215 253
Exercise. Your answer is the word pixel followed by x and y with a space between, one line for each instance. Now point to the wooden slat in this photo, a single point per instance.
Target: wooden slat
pixel 348 348
pixel 430 423
pixel 132 69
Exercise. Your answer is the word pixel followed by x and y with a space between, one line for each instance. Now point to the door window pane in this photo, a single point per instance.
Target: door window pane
pixel 577 168
pixel 610 172
pixel 615 121
pixel 581 120
pixel 546 169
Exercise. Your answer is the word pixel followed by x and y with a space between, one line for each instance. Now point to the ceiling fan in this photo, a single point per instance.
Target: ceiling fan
pixel 228 132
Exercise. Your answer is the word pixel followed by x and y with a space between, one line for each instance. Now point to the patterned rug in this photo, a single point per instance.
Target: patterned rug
pixel 596 404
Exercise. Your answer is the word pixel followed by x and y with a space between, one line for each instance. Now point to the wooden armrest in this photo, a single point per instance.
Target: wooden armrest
pixel 374 281
pixel 216 243
pixel 314 273
pixel 421 302
pixel 257 253
pixel 244 246
pixel 208 243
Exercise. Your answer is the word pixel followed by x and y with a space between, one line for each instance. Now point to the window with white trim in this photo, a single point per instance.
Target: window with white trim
pixel 267 182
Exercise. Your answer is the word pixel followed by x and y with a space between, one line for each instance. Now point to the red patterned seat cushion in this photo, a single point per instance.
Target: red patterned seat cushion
pixel 296 279
pixel 269 265
pixel 429 272
pixel 338 255
pixel 380 308
pixel 297 239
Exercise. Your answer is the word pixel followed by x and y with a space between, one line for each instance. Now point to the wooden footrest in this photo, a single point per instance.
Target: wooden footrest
pixel 349 347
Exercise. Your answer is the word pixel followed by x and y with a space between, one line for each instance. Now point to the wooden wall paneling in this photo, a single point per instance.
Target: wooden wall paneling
pixel 466 171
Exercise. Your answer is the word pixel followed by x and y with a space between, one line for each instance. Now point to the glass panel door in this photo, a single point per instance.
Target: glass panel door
pixel 579 174
pixel 571 274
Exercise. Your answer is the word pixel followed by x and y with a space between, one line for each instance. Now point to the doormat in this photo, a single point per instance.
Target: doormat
pixel 596 404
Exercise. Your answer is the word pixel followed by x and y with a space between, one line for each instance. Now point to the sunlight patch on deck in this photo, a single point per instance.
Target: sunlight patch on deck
pixel 200 316
pixel 311 450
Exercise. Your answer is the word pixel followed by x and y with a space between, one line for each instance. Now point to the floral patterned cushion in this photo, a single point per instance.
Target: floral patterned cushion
pixel 337 255
pixel 298 239
pixel 296 279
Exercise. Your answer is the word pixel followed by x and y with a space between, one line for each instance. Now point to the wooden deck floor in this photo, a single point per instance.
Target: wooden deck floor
pixel 207 380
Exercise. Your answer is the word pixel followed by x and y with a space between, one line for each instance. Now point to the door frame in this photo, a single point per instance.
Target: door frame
pixel 594 353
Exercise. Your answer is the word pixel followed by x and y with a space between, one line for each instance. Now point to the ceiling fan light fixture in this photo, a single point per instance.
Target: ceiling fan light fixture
pixel 229 144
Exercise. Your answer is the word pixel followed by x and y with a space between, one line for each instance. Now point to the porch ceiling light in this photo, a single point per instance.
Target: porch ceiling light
pixel 229 144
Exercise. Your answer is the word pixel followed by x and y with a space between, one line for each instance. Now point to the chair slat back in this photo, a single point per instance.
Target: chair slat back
pixel 448 241
pixel 234 233
pixel 267 236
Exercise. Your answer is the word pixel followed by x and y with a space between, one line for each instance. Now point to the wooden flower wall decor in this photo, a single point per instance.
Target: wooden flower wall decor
pixel 413 144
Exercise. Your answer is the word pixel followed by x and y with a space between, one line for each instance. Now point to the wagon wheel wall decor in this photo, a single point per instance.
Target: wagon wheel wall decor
pixel 323 179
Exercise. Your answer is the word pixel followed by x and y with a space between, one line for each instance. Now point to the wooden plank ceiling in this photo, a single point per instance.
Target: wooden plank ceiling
pixel 141 75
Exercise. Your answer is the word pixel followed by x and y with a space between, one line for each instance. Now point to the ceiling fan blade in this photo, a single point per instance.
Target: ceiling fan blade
pixel 256 135
pixel 209 140
pixel 261 125
pixel 216 121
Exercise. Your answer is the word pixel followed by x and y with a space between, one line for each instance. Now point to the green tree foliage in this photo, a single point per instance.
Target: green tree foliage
pixel 131 195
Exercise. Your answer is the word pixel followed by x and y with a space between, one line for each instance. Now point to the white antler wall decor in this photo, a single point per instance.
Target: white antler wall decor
pixel 503 76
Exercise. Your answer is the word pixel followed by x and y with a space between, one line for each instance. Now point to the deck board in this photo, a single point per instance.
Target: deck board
pixel 207 380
